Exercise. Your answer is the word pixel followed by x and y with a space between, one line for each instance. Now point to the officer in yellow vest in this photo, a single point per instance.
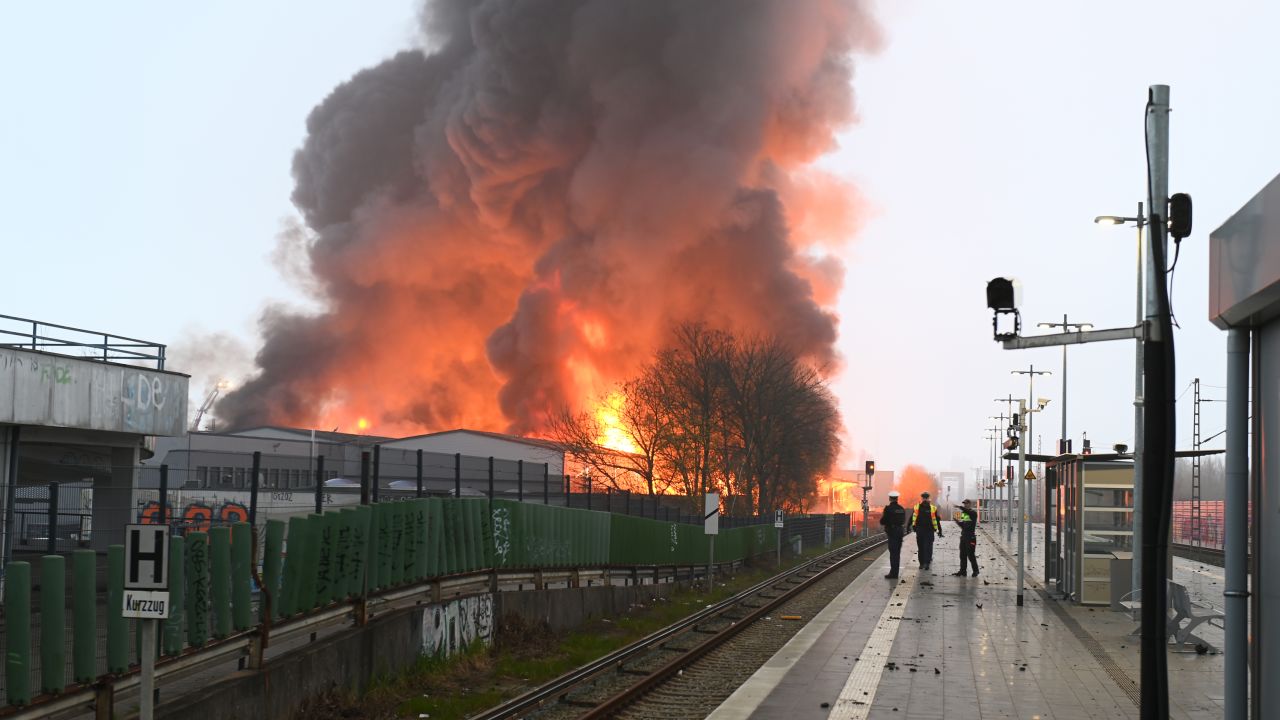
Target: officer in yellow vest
pixel 924 520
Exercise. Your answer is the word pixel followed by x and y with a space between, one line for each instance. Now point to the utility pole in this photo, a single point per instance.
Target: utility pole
pixel 1196 524
pixel 1159 424
pixel 1002 479
pixel 988 488
pixel 1031 372
pixel 1008 400
pixel 1022 469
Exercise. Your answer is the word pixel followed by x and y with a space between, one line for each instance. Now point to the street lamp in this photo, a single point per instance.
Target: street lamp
pixel 1023 414
pixel 1031 373
pixel 1140 221
pixel 1066 328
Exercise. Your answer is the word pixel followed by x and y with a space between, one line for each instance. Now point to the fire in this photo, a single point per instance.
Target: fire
pixel 485 263
pixel 612 434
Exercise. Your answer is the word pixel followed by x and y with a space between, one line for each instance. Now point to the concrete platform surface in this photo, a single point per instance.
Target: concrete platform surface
pixel 933 645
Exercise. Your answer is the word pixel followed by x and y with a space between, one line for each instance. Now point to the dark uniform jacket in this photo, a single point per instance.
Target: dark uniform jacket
pixel 894 519
pixel 968 522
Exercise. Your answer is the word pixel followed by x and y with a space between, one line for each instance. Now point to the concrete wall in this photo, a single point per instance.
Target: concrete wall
pixel 57 391
pixel 388 644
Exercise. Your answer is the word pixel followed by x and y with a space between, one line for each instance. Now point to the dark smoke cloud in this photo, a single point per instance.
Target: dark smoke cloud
pixel 522 214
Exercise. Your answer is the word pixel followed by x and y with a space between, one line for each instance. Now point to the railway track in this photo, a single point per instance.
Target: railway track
pixel 687 669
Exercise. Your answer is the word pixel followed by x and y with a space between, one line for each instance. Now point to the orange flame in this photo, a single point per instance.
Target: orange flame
pixel 612 433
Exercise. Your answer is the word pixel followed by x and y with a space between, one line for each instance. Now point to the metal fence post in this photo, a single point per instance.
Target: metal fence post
pixel 490 486
pixel 164 515
pixel 457 475
pixel 319 483
pixel 588 492
pixel 253 487
pixel 546 483
pixel 377 471
pixel 520 480
pixel 11 494
pixel 568 491
pixel 419 473
pixel 364 477
pixel 626 502
pixel 52 531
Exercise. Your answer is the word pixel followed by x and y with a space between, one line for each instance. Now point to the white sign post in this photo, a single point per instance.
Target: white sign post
pixel 777 523
pixel 711 526
pixel 146 596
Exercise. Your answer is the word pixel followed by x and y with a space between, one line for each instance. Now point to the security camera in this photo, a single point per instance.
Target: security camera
pixel 1042 402
pixel 1004 295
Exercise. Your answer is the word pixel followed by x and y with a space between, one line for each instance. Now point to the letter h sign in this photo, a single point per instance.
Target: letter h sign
pixel 145 566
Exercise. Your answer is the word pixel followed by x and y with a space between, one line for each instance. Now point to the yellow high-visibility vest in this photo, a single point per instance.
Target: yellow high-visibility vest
pixel 933 513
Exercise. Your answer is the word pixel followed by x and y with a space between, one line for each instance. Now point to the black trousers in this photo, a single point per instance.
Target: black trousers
pixel 968 553
pixel 924 541
pixel 895 553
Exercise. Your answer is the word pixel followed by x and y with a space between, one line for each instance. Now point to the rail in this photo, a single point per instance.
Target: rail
pixel 538 697
pixel 19 332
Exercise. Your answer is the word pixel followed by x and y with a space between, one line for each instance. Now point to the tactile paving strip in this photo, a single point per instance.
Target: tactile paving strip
pixel 859 690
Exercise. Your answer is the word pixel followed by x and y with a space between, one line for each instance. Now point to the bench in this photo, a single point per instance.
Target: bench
pixel 1185 610
pixel 1181 609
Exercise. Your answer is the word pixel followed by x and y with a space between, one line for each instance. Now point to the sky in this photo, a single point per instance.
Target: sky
pixel 145 176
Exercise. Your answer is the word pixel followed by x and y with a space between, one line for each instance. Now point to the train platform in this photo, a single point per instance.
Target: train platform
pixel 933 645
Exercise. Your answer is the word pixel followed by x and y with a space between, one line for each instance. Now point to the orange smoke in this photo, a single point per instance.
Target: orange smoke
pixel 515 222
pixel 912 481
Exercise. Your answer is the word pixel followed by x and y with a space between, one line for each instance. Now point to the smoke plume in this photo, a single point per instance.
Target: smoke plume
pixel 522 213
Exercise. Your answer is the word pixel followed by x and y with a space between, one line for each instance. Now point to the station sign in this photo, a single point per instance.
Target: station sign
pixel 777 518
pixel 150 604
pixel 146 565
pixel 146 571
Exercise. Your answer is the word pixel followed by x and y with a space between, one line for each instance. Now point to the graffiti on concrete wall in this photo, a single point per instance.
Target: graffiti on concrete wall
pixel 452 626
pixel 90 395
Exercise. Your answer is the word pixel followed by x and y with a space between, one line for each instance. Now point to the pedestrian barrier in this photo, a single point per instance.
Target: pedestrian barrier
pixel 318 560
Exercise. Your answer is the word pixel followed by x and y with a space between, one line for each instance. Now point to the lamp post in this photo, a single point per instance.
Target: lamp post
pixel 989 486
pixel 1031 374
pixel 1024 416
pixel 1140 221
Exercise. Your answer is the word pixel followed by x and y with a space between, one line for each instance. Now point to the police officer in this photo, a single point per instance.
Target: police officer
pixel 967 519
pixel 894 521
pixel 924 520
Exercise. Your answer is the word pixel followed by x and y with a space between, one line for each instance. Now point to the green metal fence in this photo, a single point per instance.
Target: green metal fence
pixel 316 560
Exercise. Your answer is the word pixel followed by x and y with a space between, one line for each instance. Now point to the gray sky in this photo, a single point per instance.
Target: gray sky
pixel 145 155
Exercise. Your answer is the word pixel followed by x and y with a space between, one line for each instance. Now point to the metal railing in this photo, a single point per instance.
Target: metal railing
pixel 17 332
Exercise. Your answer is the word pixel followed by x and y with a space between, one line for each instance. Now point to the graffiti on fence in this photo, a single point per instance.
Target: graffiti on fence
pixel 675 537
pixel 501 534
pixel 197 589
pixel 452 626
pixel 196 516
